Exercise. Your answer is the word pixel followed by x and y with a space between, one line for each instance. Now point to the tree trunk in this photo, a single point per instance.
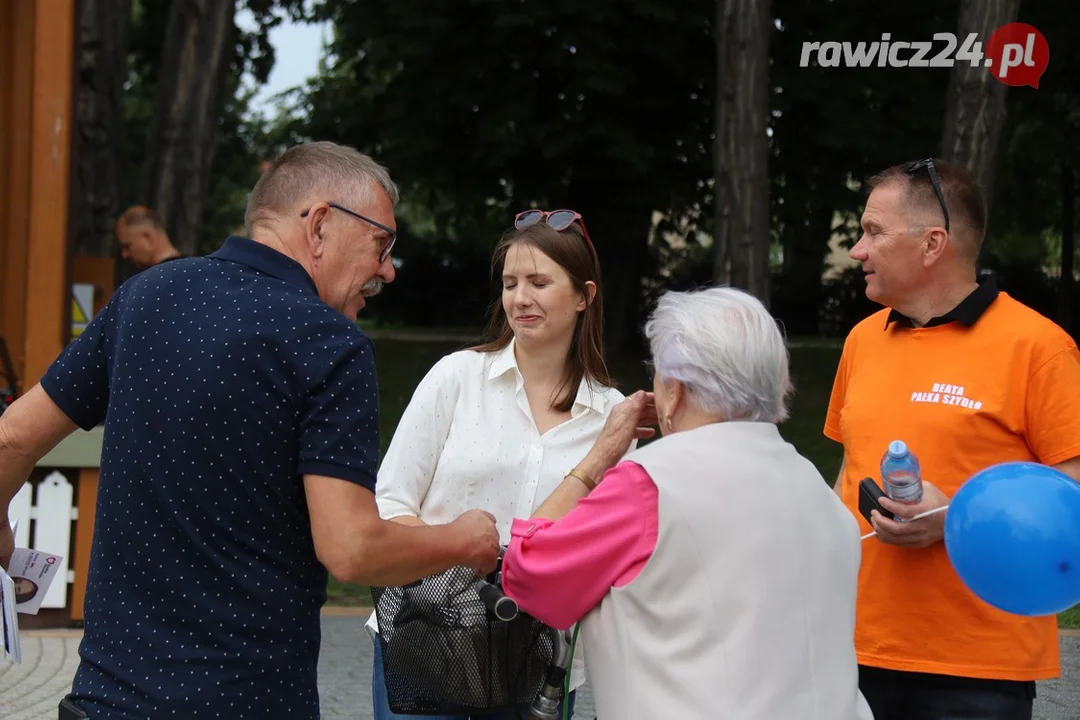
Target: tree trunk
pixel 103 50
pixel 742 236
pixel 975 107
pixel 1068 245
pixel 196 55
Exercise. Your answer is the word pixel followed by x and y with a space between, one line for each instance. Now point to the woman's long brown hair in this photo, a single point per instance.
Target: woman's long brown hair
pixel 573 254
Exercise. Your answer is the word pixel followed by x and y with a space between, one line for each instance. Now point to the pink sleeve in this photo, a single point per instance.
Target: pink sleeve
pixel 559 571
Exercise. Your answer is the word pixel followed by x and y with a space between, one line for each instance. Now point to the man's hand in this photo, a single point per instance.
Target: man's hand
pixel 628 421
pixel 912 533
pixel 7 544
pixel 479 540
pixel 29 428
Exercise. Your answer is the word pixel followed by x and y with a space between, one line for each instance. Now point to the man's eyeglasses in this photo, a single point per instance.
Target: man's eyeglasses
pixel 557 220
pixel 935 182
pixel 391 233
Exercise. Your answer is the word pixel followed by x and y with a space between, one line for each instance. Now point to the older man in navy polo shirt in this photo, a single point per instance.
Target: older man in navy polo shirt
pixel 240 411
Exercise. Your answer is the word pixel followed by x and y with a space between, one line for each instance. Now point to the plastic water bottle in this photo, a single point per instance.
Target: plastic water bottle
pixel 900 473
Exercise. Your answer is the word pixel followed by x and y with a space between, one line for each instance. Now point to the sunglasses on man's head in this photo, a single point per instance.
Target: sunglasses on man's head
pixel 935 182
pixel 557 220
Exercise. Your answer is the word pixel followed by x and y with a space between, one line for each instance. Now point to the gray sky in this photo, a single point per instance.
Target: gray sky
pixel 298 49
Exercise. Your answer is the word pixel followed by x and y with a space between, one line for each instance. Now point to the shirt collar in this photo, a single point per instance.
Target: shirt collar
pixel 966 313
pixel 589 397
pixel 265 259
pixel 505 361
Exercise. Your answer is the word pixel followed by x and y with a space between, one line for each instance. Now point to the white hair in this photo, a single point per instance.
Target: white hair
pixel 725 347
pixel 324 170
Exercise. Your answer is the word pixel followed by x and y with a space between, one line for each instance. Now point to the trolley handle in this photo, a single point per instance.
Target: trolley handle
pixel 498 605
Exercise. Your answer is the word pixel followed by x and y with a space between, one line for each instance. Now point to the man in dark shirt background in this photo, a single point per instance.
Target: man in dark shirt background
pixel 142 238
pixel 241 442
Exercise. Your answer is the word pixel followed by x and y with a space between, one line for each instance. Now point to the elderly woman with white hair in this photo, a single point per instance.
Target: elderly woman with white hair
pixel 713 570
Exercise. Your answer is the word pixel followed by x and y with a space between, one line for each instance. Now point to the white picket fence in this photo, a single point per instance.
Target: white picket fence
pixel 51 517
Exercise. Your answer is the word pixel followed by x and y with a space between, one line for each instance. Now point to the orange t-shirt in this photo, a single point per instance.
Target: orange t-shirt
pixel 963 399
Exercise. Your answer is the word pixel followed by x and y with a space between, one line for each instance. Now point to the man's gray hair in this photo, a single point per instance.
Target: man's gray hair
pixel 726 348
pixel 312 172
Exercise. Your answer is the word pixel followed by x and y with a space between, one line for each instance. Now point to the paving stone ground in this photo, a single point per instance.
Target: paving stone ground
pixel 31 691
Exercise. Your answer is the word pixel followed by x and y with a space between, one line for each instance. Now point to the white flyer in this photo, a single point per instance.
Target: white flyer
pixel 9 618
pixel 31 572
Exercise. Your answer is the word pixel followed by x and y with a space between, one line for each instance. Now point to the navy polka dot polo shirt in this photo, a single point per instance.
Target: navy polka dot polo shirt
pixel 220 382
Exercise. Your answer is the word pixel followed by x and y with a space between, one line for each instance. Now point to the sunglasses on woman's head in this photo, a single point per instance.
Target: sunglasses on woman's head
pixel 557 220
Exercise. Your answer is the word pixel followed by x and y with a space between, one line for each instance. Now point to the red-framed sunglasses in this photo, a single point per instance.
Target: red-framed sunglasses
pixel 557 220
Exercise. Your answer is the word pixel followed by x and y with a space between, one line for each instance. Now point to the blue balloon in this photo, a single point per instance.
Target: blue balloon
pixel 1012 533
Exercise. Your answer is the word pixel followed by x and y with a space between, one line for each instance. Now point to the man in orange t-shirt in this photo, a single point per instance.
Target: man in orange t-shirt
pixel 968 377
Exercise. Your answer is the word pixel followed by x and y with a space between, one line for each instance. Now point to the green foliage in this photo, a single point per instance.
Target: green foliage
pixel 150 19
pixel 254 51
pixel 1070 618
pixel 834 127
pixel 1041 135
pixel 339 594
pixel 832 124
pixel 483 108
pixel 499 105
pixel 242 138
pixel 241 146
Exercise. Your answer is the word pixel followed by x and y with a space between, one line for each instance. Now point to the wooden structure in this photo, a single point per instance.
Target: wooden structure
pixel 37 267
pixel 37 42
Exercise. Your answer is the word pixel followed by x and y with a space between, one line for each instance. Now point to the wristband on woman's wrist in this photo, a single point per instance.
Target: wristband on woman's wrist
pixel 583 477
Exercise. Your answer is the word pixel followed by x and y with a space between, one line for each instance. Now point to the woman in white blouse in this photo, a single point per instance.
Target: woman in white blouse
pixel 499 426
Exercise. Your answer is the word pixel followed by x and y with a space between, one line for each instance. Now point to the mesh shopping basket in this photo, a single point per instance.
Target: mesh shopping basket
pixel 444 652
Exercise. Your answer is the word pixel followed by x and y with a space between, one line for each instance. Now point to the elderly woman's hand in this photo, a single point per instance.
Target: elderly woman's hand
pixel 628 421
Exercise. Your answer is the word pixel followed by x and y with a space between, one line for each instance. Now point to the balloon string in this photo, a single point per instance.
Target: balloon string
pixel 928 513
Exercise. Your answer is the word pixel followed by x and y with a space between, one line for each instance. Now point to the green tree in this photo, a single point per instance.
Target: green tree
pixel 237 140
pixel 1032 224
pixel 832 128
pixel 482 108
